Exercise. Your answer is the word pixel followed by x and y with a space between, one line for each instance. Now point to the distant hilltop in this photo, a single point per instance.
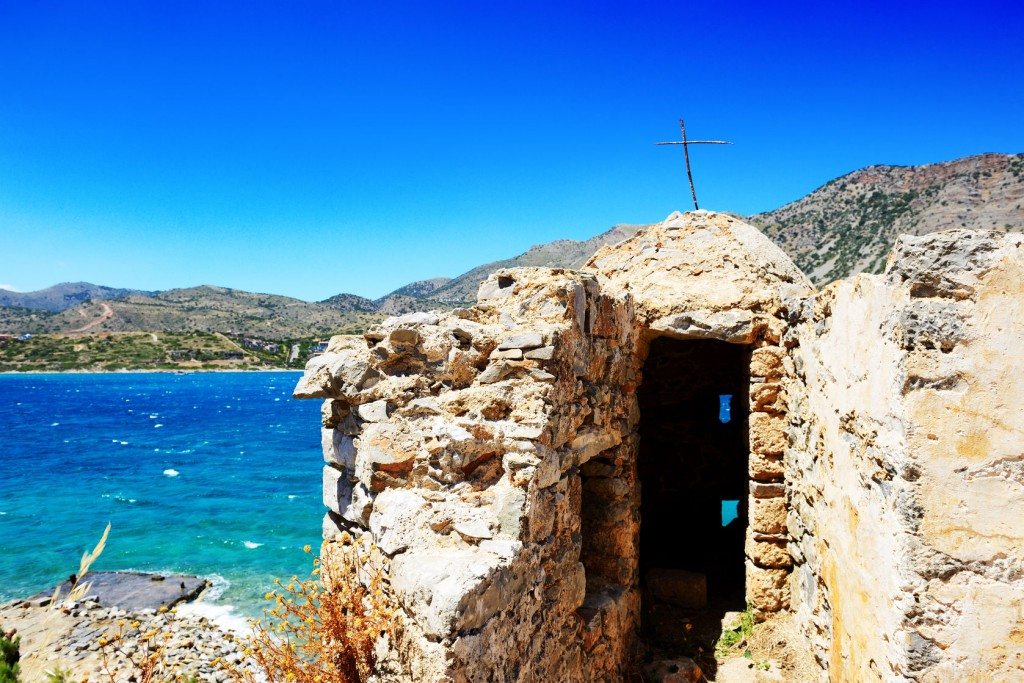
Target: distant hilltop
pixel 65 295
pixel 846 226
pixel 849 225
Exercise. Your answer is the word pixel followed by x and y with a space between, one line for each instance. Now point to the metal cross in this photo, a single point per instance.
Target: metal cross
pixel 686 154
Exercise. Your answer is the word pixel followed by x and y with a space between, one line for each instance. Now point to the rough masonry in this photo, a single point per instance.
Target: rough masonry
pixel 493 454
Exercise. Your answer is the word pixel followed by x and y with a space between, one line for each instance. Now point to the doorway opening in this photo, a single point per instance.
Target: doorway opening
pixel 692 464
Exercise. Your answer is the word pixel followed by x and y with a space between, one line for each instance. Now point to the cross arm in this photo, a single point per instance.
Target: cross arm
pixel 695 142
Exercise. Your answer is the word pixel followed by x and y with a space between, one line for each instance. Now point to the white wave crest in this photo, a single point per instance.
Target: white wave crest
pixel 223 616
pixel 218 584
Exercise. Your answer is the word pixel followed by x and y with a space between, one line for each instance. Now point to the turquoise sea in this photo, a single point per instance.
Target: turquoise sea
pixel 213 474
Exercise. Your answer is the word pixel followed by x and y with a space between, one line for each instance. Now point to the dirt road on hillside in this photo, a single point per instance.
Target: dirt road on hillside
pixel 107 314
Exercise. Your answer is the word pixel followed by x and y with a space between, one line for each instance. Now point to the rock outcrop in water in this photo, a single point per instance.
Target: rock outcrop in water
pixel 549 471
pixel 133 591
pixel 146 609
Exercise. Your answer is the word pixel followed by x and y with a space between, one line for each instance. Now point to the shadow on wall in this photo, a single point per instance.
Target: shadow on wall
pixel 693 475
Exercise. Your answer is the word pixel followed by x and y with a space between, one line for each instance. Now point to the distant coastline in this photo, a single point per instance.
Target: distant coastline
pixel 148 371
pixel 166 351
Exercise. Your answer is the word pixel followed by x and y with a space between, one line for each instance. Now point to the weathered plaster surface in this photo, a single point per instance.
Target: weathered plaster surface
pixel 847 487
pixel 907 469
pixel 966 435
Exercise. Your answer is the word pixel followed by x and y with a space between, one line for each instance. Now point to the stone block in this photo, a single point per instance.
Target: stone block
pixel 524 340
pixel 376 411
pixel 404 337
pixel 590 619
pixel 766 467
pixel 337 489
pixel 445 590
pixel 734 326
pixel 332 412
pixel 358 509
pixel 339 449
pixel 767 588
pixel 616 570
pixel 495 372
pixel 678 587
pixel 608 488
pixel 768 552
pixel 767 515
pixel 590 442
pixel 767 397
pixel 767 362
pixel 507 354
pixel 540 516
pixel 474 530
pixel 768 434
pixel 549 471
pixel 332 375
pixel 543 353
pixel 398 520
pixel 760 489
pixel 494 288
pixel 618 539
pixel 383 457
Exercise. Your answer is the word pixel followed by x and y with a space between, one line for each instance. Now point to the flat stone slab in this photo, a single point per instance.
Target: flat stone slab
pixel 134 591
pixel 678 587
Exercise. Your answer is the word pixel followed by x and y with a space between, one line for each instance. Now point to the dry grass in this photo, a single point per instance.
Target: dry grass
pixel 777 640
pixel 321 630
pixel 144 662
pixel 38 659
pixel 325 629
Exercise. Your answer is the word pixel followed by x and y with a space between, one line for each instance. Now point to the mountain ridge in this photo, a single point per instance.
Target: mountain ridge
pixel 849 224
pixel 846 225
pixel 64 295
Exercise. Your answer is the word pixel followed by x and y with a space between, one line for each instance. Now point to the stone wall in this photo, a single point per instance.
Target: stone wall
pixel 491 454
pixel 456 443
pixel 907 502
pixel 846 495
pixel 709 276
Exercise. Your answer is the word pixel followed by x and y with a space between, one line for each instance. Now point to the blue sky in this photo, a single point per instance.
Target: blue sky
pixel 313 148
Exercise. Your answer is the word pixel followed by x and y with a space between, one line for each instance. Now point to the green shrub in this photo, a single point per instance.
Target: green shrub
pixel 9 656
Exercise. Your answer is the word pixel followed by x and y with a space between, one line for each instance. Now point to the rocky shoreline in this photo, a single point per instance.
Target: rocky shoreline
pixel 124 617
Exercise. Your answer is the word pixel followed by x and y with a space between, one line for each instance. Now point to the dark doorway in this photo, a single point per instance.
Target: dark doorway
pixel 693 475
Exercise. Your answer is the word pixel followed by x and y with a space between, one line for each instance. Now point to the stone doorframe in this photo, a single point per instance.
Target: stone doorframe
pixel 767 545
pixel 768 562
pixel 610 502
